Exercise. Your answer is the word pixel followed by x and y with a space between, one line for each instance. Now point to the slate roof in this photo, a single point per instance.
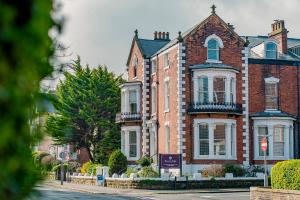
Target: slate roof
pixel 213 65
pixel 256 40
pixel 272 114
pixel 149 47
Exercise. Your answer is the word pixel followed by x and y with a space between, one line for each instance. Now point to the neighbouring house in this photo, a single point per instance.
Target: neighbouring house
pixel 211 95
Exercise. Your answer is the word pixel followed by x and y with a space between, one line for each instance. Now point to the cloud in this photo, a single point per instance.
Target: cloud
pixel 100 31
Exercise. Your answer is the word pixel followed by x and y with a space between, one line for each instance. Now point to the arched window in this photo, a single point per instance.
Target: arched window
pixel 212 50
pixel 213 44
pixel 271 50
pixel 135 65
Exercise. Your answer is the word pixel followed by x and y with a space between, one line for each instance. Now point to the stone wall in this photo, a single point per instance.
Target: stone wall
pixel 87 180
pixel 259 193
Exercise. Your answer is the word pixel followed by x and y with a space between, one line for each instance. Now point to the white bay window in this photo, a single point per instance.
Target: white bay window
pixel 130 141
pixel 214 139
pixel 131 97
pixel 279 134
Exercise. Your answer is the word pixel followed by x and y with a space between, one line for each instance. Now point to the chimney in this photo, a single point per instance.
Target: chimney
pixel 155 35
pixel 159 35
pixel 167 36
pixel 279 33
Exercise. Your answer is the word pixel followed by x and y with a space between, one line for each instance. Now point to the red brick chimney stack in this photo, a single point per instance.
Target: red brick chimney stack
pixel 279 33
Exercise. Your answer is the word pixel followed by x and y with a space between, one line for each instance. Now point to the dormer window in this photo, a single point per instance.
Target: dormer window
pixel 213 44
pixel 271 50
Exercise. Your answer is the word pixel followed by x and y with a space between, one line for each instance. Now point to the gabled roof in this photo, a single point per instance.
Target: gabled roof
pixel 256 40
pixel 146 46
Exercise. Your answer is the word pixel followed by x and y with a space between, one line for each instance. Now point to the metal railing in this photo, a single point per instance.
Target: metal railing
pixel 215 107
pixel 128 116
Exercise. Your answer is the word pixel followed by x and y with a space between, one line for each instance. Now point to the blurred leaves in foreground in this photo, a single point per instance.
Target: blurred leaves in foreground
pixel 25 53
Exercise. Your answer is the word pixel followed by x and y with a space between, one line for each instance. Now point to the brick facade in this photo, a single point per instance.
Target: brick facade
pixel 240 58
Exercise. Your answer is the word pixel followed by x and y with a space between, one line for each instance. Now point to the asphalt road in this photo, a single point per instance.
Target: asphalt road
pixel 52 193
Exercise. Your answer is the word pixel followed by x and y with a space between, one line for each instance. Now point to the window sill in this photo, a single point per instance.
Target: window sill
pixel 132 158
pixel 272 110
pixel 272 158
pixel 167 67
pixel 153 74
pixel 166 111
pixel 213 61
pixel 134 78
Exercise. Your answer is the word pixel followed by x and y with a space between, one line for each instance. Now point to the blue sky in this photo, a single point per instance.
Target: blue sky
pixel 100 31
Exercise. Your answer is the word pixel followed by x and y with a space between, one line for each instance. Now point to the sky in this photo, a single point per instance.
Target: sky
pixel 101 31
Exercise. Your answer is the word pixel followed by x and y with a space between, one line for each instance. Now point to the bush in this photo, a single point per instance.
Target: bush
pixel 93 168
pixel 286 175
pixel 214 171
pixel 148 172
pixel 117 162
pixel 130 170
pixel 237 170
pixel 144 161
pixel 85 167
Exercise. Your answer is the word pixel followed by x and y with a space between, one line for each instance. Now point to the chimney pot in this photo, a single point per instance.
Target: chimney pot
pixel 155 35
pixel 159 35
pixel 167 36
pixel 163 35
pixel 279 33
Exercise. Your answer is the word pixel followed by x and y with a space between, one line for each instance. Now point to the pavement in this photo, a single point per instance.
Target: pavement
pixel 52 190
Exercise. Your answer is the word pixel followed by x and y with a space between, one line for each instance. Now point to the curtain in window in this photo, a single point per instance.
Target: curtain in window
pixel 219 140
pixel 203 139
pixel 212 50
pixel 133 101
pixel 278 141
pixel 203 89
pixel 132 144
pixel 219 89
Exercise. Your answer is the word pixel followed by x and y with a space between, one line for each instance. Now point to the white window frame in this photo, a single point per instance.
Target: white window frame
pixel 125 88
pixel 211 73
pixel 167 137
pixel 125 130
pixel 153 66
pixel 230 139
pixel 220 45
pixel 265 48
pixel 272 80
pixel 167 92
pixel 166 59
pixel 153 99
pixel 271 123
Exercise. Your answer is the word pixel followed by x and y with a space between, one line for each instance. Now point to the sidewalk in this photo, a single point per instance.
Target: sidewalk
pixel 118 191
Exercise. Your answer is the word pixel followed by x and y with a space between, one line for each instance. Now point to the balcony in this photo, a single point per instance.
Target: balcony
pixel 215 107
pixel 128 117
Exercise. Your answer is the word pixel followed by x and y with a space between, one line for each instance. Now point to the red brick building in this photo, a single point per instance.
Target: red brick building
pixel 211 95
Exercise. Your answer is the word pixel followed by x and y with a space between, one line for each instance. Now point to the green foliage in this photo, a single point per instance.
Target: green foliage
pixel 25 51
pixel 130 170
pixel 237 170
pixel 93 168
pixel 85 167
pixel 148 172
pixel 286 175
pixel 117 162
pixel 144 161
pixel 86 104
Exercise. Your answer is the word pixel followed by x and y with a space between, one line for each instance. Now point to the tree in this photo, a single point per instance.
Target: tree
pixel 25 52
pixel 86 104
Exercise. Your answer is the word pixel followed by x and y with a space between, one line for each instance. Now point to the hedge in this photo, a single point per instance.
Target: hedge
pixel 286 175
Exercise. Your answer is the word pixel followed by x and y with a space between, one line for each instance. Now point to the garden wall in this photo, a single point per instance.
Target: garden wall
pixel 260 193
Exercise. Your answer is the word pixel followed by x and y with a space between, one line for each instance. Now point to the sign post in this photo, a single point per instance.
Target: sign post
pixel 264 147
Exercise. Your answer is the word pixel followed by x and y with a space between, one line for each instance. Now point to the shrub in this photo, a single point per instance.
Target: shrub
pixel 144 161
pixel 85 166
pixel 237 170
pixel 214 171
pixel 117 162
pixel 93 168
pixel 73 166
pixel 286 175
pixel 148 172
pixel 131 170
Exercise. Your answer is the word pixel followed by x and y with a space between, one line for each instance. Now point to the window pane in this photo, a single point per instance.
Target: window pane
pixel 153 66
pixel 271 54
pixel 219 140
pixel 204 139
pixel 231 90
pixel 271 96
pixel 123 141
pixel 133 101
pixel 262 132
pixel 271 46
pixel 212 44
pixel 166 60
pixel 232 139
pixel 278 141
pixel 167 95
pixel 212 54
pixel 153 105
pixel 132 144
pixel 212 50
pixel 219 89
pixel 167 129
pixel 203 89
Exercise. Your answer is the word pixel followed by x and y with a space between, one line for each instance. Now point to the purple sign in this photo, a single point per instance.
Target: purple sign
pixel 169 161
